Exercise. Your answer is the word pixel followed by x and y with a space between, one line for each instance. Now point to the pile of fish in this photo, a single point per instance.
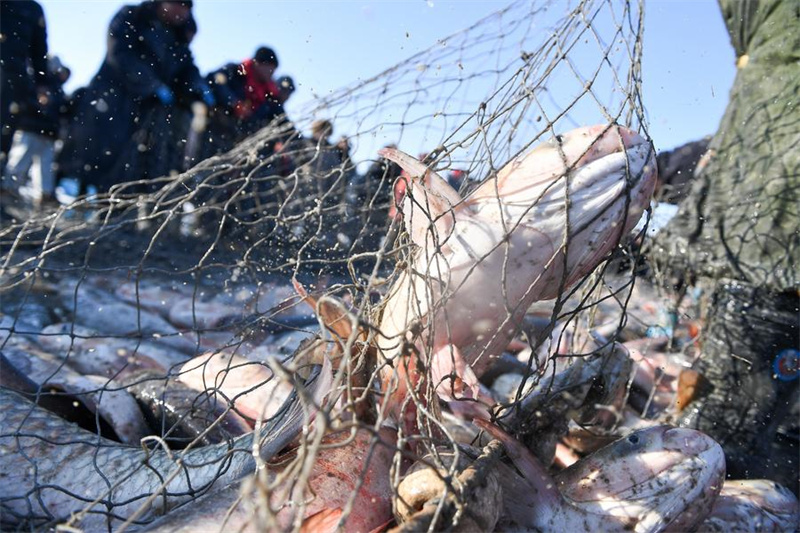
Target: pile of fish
pixel 502 383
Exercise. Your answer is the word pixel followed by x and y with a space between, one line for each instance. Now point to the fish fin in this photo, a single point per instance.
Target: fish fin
pixel 321 521
pixel 303 294
pixel 298 409
pixel 321 387
pixel 431 203
pixel 418 170
pixel 331 311
pixel 336 317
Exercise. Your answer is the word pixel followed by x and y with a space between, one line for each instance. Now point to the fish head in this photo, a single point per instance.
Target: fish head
pixel 654 478
pixel 486 258
pixel 764 493
pixel 587 188
pixel 573 151
pixel 754 505
pixel 612 166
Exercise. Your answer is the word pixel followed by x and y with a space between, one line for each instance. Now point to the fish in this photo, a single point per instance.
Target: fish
pixel 181 415
pixel 189 312
pixel 547 403
pixel 89 352
pixel 104 312
pixel 99 309
pixel 102 397
pixel 250 386
pixel 681 472
pixel 274 307
pixel 349 489
pixel 156 297
pixel 54 470
pixel 67 406
pixel 656 479
pixel 484 259
pixel 753 505
pixel 587 381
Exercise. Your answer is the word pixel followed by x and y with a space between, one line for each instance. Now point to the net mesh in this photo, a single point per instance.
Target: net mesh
pixel 178 292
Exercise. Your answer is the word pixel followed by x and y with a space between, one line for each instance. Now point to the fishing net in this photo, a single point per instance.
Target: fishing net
pixel 175 296
pixel 742 251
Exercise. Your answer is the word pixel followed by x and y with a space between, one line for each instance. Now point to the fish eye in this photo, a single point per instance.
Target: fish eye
pixel 633 439
pixel 559 139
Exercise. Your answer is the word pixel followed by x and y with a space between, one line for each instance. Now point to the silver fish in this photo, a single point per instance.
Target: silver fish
pixel 98 394
pixel 657 479
pixel 102 311
pixel 89 352
pixel 152 296
pixel 580 392
pixel 181 415
pixel 189 312
pixel 53 469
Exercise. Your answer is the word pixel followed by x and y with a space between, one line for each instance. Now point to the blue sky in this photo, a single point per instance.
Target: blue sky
pixel 687 72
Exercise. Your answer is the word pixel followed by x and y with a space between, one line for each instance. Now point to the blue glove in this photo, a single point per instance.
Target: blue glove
pixel 165 95
pixel 208 97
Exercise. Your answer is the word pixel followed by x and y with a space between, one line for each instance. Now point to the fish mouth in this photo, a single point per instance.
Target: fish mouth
pixel 698 449
pixel 600 186
pixel 688 441
pixel 616 154
pixel 636 157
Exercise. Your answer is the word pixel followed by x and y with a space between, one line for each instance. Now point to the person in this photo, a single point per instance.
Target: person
pixel 34 143
pixel 248 98
pixel 285 89
pixel 248 91
pixel 23 64
pixel 327 155
pixel 455 178
pixel 126 120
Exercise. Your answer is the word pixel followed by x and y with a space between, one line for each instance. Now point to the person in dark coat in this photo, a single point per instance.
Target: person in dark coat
pixel 125 122
pixel 23 63
pixel 248 98
pixel 249 90
pixel 34 144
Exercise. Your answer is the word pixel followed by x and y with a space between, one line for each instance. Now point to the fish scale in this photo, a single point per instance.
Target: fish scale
pixel 52 468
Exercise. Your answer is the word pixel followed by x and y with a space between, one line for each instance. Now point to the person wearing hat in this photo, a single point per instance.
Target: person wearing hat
pixel 248 91
pixel 248 98
pixel 124 122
